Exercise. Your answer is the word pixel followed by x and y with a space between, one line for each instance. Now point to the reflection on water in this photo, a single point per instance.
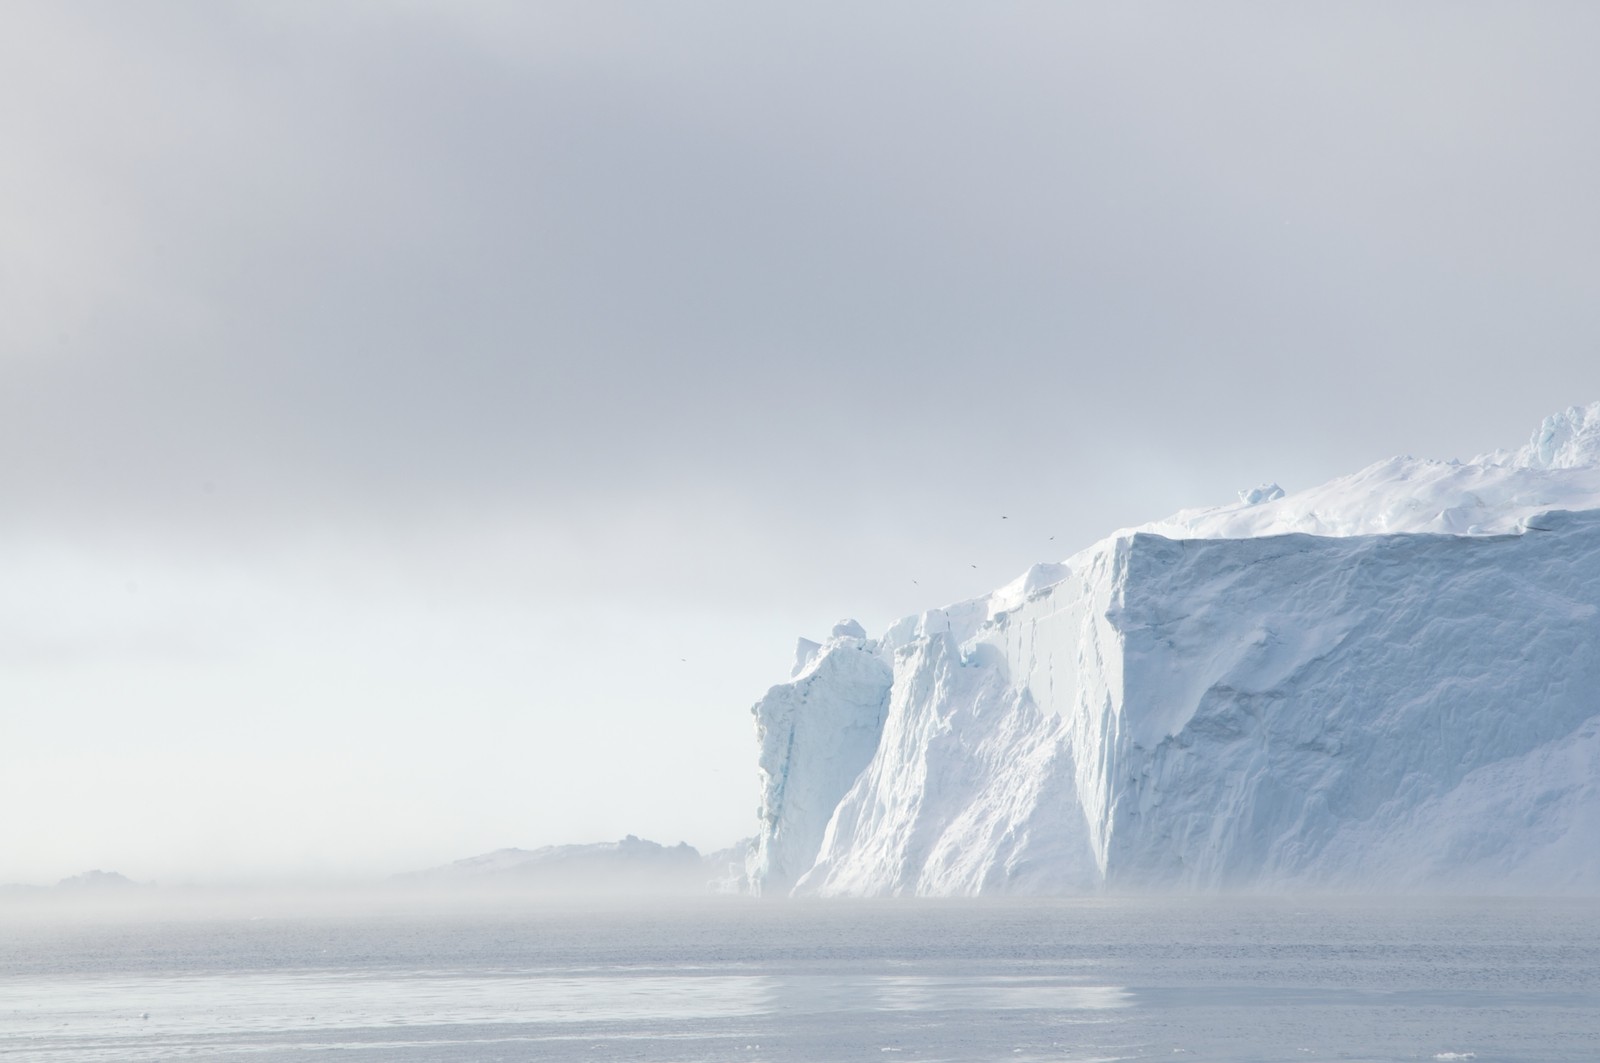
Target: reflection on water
pixel 985 994
pixel 1507 981
pixel 95 1017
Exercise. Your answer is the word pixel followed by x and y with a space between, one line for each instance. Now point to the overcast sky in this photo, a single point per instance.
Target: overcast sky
pixel 426 426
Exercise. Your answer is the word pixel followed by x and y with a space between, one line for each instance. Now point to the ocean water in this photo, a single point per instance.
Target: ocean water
pixel 1261 979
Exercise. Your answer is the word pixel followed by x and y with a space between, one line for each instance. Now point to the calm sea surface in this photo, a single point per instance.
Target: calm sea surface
pixel 1264 979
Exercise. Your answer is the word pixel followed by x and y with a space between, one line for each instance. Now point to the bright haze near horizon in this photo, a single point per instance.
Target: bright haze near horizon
pixel 426 427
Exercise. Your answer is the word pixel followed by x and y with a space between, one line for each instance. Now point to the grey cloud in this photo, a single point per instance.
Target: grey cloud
pixel 369 263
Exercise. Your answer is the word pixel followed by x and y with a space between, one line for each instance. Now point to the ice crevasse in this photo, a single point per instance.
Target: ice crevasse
pixel 1391 681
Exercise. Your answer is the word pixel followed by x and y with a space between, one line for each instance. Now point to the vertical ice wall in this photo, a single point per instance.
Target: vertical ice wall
pixel 1292 701
pixel 990 775
pixel 816 733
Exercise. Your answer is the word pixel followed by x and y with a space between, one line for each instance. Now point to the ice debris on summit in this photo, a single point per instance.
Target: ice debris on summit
pixel 1263 493
pixel 1390 681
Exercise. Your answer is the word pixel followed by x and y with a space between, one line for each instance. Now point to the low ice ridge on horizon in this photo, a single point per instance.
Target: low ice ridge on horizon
pixel 632 866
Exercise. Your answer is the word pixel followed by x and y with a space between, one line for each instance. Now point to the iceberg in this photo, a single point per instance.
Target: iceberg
pixel 1388 682
pixel 633 866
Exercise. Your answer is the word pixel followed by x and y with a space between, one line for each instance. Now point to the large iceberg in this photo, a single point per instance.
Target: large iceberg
pixel 1391 681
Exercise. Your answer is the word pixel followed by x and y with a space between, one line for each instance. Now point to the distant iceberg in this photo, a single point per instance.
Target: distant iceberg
pixel 632 866
pixel 1388 682
pixel 96 880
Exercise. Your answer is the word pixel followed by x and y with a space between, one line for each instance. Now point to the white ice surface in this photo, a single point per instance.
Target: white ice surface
pixel 1388 681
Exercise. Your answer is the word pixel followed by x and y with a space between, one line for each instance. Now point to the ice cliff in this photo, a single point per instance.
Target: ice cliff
pixel 1389 681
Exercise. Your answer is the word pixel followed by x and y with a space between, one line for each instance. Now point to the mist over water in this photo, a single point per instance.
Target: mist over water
pixel 279 977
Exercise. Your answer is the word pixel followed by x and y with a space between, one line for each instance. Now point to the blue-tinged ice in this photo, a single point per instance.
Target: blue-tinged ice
pixel 1390 681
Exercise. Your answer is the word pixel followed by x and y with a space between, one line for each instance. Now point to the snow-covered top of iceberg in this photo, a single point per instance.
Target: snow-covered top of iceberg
pixel 1491 494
